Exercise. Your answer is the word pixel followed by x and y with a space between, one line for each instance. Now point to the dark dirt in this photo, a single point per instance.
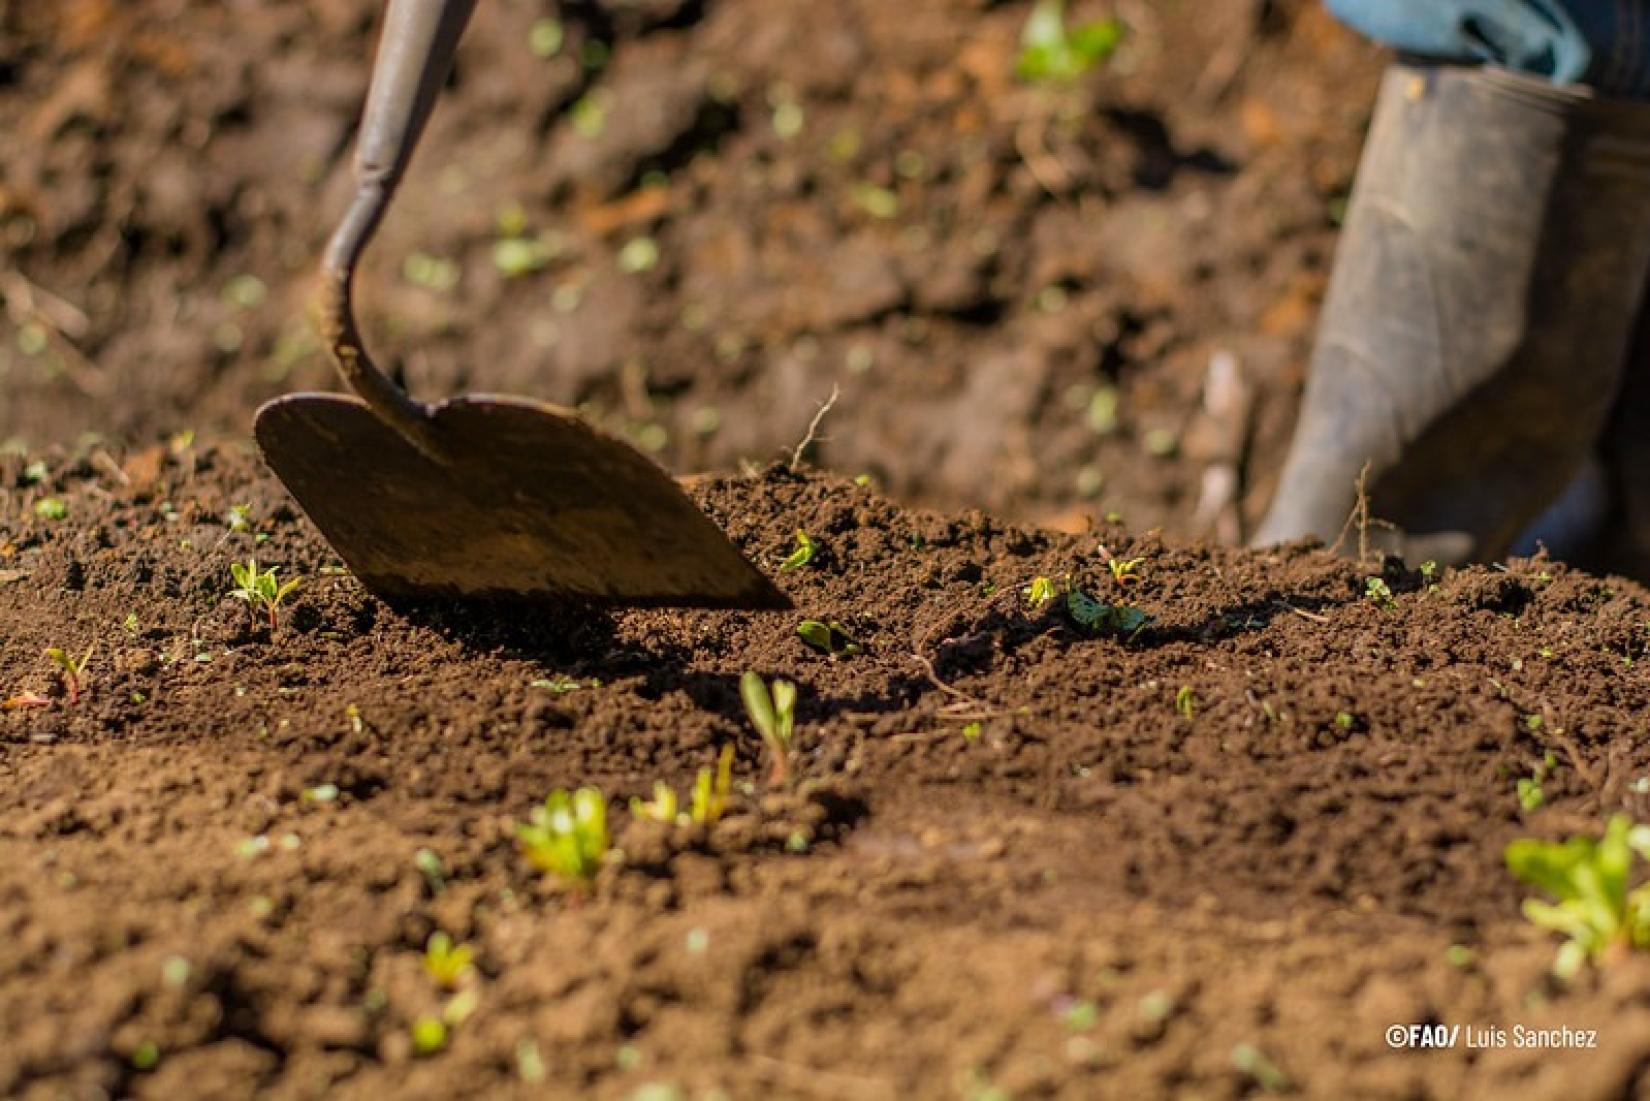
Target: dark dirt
pixel 972 260
pixel 1009 865
pixel 1089 894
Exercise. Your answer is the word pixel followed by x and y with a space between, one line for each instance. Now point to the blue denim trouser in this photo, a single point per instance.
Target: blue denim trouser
pixel 1604 43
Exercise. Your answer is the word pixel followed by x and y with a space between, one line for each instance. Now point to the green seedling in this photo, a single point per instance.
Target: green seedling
pixel 1250 1060
pixel 804 553
pixel 260 588
pixel 430 867
pixel 828 638
pixel 1429 572
pixel 661 808
pixel 561 685
pixel 238 518
pixel 773 712
pixel 567 836
pixel 1530 795
pixel 708 801
pixel 1185 701
pixel 448 964
pixel 1380 594
pixel 1040 591
pixel 51 508
pixel 1123 569
pixel 72 671
pixel 429 1036
pixel 710 790
pixel 1588 880
pixel 1050 52
pixel 1092 615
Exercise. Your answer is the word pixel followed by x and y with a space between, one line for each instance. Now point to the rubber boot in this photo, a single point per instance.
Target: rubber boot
pixel 1625 548
pixel 1484 291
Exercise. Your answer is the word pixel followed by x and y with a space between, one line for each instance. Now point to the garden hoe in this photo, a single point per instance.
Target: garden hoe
pixel 478 496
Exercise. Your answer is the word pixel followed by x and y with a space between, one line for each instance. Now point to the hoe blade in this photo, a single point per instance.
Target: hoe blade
pixel 527 501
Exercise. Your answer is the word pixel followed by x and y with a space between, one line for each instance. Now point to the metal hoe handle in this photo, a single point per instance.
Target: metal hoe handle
pixel 415 54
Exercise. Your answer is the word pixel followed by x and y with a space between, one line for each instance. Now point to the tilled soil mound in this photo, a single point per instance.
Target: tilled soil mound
pixel 718 210
pixel 1212 847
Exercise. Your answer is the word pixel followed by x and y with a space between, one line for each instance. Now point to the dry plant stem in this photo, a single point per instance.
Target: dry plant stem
pixel 813 427
pixel 1361 520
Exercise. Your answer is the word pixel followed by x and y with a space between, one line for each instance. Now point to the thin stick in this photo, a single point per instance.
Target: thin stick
pixel 1360 518
pixel 813 427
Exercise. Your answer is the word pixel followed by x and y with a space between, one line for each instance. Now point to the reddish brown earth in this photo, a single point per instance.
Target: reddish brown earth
pixel 1045 244
pixel 1009 865
pixel 1091 893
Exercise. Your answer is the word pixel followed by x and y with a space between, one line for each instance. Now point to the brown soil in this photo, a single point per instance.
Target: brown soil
pixel 1046 243
pixel 1009 865
pixel 1090 893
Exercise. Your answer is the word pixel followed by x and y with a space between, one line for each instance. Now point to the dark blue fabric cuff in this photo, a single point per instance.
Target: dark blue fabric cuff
pixel 1605 43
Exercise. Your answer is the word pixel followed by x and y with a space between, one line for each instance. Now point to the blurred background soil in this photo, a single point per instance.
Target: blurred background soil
pixel 694 218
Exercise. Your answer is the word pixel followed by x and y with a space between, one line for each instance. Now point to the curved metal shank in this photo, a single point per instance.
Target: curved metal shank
pixel 415 54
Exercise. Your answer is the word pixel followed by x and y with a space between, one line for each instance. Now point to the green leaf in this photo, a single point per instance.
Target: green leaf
pixel 804 553
pixel 759 705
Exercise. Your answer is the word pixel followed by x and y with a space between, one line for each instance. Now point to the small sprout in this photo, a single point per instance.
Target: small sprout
pixel 1039 592
pixel 1588 881
pixel 461 1007
pixel 561 685
pixel 1530 795
pixel 448 964
pixel 1250 1060
pixel 130 623
pixel 1123 569
pixel 1156 1006
pixel 639 254
pixel 1429 572
pixel 239 518
pixel 1081 1016
pixel 878 202
pixel 662 808
pixel 515 257
pixel 545 38
pixel 1378 593
pixel 710 791
pixel 36 472
pixel 567 836
pixel 51 508
pixel 1534 723
pixel 1460 956
pixel 146 1056
pixel 1185 701
pixel 529 1062
pixel 1052 53
pixel 320 793
pixel 589 115
pixel 788 119
pixel 429 866
pixel 971 732
pixel 1344 720
pixel 433 273
pixel 804 553
pixel 72 671
pixel 773 712
pixel 1091 614
pixel 175 971
pixel 260 588
pixel 429 1035
pixel 828 638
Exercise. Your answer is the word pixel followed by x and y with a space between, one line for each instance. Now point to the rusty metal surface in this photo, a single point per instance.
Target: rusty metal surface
pixel 525 501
